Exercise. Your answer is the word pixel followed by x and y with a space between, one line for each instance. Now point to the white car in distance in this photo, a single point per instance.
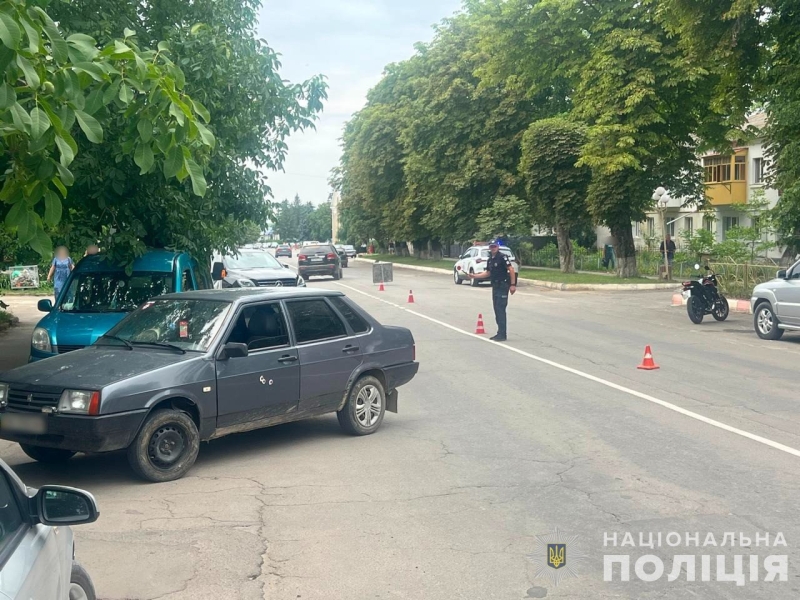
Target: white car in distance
pixel 474 261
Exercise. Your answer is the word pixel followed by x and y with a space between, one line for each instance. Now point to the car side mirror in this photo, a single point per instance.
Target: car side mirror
pixel 58 505
pixel 235 350
pixel 216 271
pixel 45 305
pixel 781 274
pixel 285 266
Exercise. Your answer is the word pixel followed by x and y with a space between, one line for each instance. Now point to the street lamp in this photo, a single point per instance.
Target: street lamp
pixel 662 198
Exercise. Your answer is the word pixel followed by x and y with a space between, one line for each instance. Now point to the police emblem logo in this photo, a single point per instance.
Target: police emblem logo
pixel 552 559
pixel 556 555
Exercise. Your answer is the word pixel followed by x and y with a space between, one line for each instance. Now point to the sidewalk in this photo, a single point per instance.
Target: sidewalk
pixel 15 343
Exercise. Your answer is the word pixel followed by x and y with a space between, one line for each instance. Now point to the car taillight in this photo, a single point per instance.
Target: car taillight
pixel 479 261
pixel 330 256
pixel 301 257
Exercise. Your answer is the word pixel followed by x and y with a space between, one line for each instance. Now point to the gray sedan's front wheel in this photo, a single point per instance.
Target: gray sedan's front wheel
pixel 80 584
pixel 366 404
pixel 166 446
pixel 766 323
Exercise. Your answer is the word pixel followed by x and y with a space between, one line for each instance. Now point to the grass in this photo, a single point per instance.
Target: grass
pixel 540 274
pixel 42 291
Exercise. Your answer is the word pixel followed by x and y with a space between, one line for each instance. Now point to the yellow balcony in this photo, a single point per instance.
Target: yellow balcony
pixel 726 178
pixel 726 192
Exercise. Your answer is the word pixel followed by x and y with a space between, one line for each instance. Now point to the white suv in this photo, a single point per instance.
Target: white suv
pixel 776 304
pixel 474 261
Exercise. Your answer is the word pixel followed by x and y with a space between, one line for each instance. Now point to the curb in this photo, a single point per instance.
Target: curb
pixel 737 306
pixel 553 285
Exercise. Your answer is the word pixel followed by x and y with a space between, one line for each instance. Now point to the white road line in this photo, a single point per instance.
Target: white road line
pixel 610 384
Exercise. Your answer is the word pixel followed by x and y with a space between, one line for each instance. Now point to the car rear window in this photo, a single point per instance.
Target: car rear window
pixel 315 249
pixel 355 320
pixel 315 320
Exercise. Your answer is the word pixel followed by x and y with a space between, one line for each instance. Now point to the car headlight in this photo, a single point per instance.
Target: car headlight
pixel 3 395
pixel 244 282
pixel 301 282
pixel 41 340
pixel 79 402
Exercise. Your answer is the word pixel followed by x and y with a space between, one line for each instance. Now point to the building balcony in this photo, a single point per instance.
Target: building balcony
pixel 725 193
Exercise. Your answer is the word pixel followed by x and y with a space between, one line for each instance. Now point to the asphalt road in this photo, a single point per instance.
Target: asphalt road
pixel 494 445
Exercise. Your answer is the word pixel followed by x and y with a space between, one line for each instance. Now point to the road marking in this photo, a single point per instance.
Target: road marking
pixel 605 382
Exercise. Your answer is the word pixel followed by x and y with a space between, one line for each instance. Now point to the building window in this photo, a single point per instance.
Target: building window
pixel 688 225
pixel 729 223
pixel 651 226
pixel 708 223
pixel 637 230
pixel 671 229
pixel 717 168
pixel 758 170
pixel 739 168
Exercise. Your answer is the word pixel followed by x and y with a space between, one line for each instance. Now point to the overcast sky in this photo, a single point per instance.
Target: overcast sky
pixel 349 41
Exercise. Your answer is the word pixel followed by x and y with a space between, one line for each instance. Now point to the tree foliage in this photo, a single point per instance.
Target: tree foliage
pixel 297 221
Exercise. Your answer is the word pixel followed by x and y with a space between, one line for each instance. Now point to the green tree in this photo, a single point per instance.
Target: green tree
pixel 557 187
pixel 321 222
pixel 235 77
pixel 506 216
pixel 51 86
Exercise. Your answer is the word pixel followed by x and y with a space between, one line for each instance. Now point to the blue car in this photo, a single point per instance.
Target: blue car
pixel 99 293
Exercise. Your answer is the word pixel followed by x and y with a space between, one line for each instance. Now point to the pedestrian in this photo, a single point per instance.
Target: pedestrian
pixel 670 249
pixel 504 282
pixel 60 269
pixel 91 249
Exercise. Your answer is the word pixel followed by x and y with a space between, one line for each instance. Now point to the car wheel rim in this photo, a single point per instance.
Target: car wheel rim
pixel 455 275
pixel 76 592
pixel 765 323
pixel 166 446
pixel 368 405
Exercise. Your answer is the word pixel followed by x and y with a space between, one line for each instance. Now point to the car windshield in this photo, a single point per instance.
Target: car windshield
pixel 113 291
pixel 187 324
pixel 252 260
pixel 316 249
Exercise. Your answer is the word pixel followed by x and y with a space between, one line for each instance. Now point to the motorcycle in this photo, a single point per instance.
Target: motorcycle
pixel 704 297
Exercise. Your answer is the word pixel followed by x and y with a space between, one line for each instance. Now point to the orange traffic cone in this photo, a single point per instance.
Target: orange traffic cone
pixel 381 289
pixel 410 297
pixel 648 364
pixel 479 330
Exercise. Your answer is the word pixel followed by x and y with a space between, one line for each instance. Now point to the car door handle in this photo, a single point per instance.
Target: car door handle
pixel 347 349
pixel 287 359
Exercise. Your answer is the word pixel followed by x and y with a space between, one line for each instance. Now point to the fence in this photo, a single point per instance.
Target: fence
pixel 648 263
pixel 738 280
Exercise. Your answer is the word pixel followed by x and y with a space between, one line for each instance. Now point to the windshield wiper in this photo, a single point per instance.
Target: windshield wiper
pixel 166 345
pixel 128 345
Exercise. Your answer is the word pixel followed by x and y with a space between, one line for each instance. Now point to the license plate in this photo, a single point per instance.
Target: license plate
pixel 318 260
pixel 30 424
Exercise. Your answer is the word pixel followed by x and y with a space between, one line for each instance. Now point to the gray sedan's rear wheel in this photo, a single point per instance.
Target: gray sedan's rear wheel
pixel 366 404
pixel 80 584
pixel 47 455
pixel 166 446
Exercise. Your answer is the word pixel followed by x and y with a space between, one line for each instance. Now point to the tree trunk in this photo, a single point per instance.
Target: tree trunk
pixel 625 250
pixel 566 258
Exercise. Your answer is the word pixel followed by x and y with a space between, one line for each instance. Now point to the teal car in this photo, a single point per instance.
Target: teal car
pixel 99 293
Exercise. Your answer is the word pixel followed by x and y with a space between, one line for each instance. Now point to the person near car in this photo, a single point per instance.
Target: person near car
pixel 60 268
pixel 501 272
pixel 670 249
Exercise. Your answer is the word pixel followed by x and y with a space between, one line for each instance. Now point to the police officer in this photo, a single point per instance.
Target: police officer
pixel 500 270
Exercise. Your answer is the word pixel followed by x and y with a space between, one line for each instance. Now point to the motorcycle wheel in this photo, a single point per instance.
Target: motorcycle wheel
pixel 721 309
pixel 695 309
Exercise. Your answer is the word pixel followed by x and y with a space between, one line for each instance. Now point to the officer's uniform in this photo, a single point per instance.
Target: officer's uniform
pixel 497 266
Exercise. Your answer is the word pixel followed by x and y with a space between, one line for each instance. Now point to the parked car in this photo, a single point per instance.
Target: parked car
pixel 185 368
pixel 283 250
pixel 342 256
pixel 319 260
pixel 474 261
pixel 38 550
pixel 99 293
pixel 252 268
pixel 350 250
pixel 776 304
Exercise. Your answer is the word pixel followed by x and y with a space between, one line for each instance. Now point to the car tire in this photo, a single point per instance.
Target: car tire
pixel 456 279
pixel 474 282
pixel 766 322
pixel 694 307
pixel 47 455
pixel 80 584
pixel 338 275
pixel 721 309
pixel 171 428
pixel 363 412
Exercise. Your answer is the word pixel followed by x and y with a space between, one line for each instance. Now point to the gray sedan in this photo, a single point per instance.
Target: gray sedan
pixel 36 545
pixel 189 367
